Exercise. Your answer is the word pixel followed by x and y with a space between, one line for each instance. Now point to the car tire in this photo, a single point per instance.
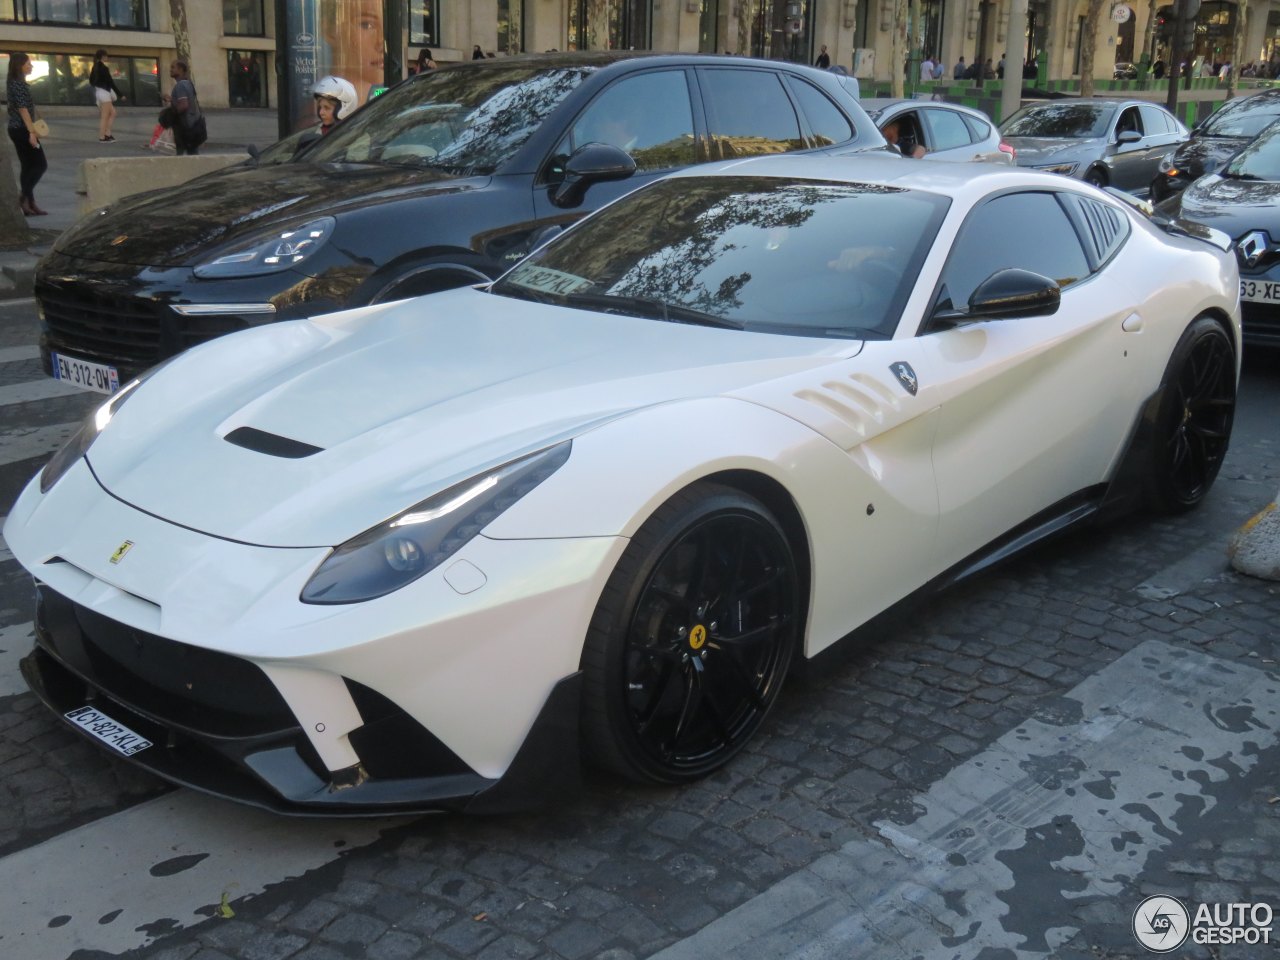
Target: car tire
pixel 1096 176
pixel 691 638
pixel 1193 418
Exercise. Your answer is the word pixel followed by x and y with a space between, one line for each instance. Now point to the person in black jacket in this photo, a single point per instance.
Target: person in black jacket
pixel 106 93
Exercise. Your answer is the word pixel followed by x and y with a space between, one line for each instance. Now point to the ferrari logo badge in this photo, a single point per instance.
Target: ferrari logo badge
pixel 121 551
pixel 906 376
pixel 697 637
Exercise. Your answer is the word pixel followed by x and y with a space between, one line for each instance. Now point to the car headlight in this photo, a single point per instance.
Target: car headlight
pixel 1167 166
pixel 1063 168
pixel 82 439
pixel 283 250
pixel 404 548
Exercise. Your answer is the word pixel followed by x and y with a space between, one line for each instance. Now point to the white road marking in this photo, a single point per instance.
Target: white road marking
pixel 17 302
pixel 120 882
pixel 14 354
pixel 15 643
pixel 1200 565
pixel 1063 809
pixel 45 389
pixel 25 443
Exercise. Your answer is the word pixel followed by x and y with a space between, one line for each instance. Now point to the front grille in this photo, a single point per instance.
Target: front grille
pixel 1261 322
pixel 203 691
pixel 105 327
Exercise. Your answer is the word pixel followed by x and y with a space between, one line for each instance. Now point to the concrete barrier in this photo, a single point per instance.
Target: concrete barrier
pixel 104 180
pixel 1255 548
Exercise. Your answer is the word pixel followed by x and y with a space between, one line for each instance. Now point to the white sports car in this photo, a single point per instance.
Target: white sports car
pixel 424 555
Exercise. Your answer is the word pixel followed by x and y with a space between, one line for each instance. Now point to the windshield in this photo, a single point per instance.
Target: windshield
pixel 1242 118
pixel 1069 120
pixel 768 254
pixel 467 120
pixel 1260 160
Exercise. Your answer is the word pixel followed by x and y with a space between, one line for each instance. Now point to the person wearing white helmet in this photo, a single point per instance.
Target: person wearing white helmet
pixel 335 100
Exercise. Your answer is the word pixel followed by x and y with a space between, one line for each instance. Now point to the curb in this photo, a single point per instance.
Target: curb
pixel 18 267
pixel 1255 548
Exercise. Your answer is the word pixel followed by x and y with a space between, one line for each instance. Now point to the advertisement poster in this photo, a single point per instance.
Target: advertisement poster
pixel 342 38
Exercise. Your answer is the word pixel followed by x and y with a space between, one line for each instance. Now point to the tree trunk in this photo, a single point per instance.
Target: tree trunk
pixel 1237 47
pixel 898 53
pixel 1149 36
pixel 14 232
pixel 181 34
pixel 1088 42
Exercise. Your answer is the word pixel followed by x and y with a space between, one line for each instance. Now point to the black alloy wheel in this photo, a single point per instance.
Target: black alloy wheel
pixel 691 639
pixel 1096 176
pixel 1193 423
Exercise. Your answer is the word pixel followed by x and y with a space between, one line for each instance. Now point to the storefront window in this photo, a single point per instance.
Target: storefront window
pixel 424 22
pixel 779 29
pixel 609 24
pixel 510 26
pixel 242 18
pixel 61 78
pixel 245 72
pixel 123 14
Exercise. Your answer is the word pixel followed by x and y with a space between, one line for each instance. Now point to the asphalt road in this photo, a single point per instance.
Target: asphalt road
pixel 1003 771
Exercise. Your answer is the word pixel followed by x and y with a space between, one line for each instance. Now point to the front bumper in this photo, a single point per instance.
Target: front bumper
pixel 217 724
pixel 1261 321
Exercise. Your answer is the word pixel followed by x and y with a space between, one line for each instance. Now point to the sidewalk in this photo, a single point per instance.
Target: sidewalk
pixel 73 138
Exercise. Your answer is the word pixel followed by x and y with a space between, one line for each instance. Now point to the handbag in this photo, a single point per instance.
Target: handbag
pixel 41 128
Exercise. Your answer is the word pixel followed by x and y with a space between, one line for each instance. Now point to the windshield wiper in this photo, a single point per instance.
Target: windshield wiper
pixel 1236 175
pixel 655 309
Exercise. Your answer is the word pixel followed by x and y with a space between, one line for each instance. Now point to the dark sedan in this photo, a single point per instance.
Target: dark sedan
pixel 445 180
pixel 1243 201
pixel 1214 140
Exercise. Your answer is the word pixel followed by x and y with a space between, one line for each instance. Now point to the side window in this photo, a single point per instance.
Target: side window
pixel 625 115
pixel 948 129
pixel 748 113
pixel 978 129
pixel 828 124
pixel 1155 121
pixel 1027 230
pixel 1129 120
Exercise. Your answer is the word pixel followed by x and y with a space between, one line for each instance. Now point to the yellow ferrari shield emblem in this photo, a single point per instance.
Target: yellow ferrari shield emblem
pixel 121 551
pixel 697 637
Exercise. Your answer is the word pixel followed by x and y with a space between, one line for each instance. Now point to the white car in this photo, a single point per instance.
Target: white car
pixel 414 556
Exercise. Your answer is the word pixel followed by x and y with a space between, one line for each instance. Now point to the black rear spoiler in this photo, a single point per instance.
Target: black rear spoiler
pixel 1174 225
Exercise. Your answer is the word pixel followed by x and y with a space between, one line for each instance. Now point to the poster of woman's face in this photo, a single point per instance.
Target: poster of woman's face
pixel 340 38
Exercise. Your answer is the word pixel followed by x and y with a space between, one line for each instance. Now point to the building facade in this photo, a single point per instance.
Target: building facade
pixel 233 43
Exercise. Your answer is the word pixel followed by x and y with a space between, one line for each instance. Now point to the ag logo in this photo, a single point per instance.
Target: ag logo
pixel 1161 924
pixel 697 637
pixel 906 376
pixel 121 551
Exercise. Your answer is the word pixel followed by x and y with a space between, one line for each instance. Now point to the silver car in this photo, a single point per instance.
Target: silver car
pixel 947 131
pixel 1116 143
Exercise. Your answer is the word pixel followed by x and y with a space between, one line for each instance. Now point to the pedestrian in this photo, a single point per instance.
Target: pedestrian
pixel 939 70
pixel 824 58
pixel 1000 67
pixel 988 72
pixel 425 61
pixel 335 100
pixel 189 128
pixel 24 132
pixel 1157 69
pixel 477 53
pixel 106 93
pixel 958 73
pixel 926 68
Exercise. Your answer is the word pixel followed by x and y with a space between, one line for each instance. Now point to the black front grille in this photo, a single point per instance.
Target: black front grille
pixel 192 688
pixel 1261 322
pixel 106 327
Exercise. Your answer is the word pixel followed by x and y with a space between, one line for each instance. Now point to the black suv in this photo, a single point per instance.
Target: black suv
pixel 447 179
pixel 1213 140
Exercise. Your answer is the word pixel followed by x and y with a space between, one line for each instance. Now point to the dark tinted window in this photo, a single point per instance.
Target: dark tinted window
pixel 1129 121
pixel 1061 119
pixel 828 124
pixel 648 115
pixel 1027 230
pixel 767 254
pixel 748 113
pixel 949 130
pixel 1246 117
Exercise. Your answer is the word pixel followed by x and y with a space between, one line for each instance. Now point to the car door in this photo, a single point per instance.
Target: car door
pixel 650 115
pixel 1132 165
pixel 1030 411
pixel 1165 133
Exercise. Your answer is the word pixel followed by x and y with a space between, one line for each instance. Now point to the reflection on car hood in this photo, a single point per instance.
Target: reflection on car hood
pixel 1200 154
pixel 1233 206
pixel 1033 151
pixel 181 224
pixel 402 400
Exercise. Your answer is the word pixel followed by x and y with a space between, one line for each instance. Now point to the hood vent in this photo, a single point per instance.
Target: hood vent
pixel 273 445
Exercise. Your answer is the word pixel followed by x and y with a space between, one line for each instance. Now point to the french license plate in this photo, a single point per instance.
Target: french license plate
pixel 92 376
pixel 115 735
pixel 1260 291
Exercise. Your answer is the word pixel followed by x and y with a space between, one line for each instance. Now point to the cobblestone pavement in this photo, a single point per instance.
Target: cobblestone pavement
pixel 619 872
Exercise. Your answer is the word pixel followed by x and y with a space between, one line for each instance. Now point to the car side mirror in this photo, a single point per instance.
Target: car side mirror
pixel 1010 292
pixel 1128 136
pixel 590 163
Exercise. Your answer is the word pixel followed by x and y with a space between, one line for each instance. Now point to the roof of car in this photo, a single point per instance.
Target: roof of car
pixel 604 58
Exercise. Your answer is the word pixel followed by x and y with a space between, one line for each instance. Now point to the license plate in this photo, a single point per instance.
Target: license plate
pixel 92 376
pixel 1260 291
pixel 115 735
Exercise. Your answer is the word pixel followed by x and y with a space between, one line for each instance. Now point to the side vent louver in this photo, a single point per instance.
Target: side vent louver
pixel 271 444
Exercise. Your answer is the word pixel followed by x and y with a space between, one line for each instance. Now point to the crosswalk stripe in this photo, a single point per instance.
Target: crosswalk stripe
pixel 25 443
pixel 116 884
pixel 15 643
pixel 14 354
pixel 33 390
